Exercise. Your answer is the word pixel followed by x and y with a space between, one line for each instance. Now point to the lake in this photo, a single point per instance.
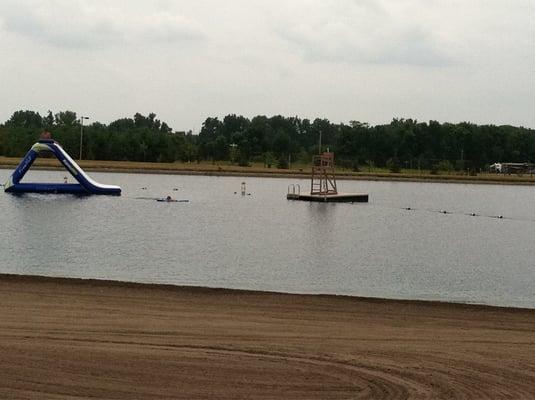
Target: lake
pixel 264 242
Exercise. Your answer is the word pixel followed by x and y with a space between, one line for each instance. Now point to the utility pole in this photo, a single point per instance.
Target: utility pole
pixel 81 134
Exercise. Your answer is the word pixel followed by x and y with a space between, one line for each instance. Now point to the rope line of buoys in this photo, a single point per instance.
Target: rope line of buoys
pixel 472 214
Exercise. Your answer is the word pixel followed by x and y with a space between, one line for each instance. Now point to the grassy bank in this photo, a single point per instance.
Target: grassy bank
pixel 296 171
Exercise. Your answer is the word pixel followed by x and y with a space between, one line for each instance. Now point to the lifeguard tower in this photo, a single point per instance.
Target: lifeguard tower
pixel 323 186
pixel 323 180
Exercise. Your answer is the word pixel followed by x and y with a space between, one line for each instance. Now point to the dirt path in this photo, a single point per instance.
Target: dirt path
pixel 66 339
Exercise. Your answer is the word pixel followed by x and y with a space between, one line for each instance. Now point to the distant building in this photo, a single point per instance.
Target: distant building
pixel 496 168
pixel 512 168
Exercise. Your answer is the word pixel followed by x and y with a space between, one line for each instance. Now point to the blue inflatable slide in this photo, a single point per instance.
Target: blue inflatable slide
pixel 85 184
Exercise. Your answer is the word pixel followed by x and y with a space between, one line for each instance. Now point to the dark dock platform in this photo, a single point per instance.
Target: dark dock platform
pixel 330 198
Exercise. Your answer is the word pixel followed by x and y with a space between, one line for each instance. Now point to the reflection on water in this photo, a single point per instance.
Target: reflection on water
pixel 262 241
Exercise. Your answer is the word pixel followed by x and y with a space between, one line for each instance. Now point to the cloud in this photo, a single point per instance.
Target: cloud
pixel 305 57
pixel 363 32
pixel 412 47
pixel 79 24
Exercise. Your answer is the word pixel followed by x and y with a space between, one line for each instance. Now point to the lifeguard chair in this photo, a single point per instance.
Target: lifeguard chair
pixel 323 181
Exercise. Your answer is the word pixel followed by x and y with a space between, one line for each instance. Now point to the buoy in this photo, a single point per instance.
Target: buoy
pixel 473 214
pixel 175 189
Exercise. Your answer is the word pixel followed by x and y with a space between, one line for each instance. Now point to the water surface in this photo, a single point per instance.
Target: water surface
pixel 264 242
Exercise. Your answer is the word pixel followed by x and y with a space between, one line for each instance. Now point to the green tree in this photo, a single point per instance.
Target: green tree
pixel 25 119
pixel 66 118
pixel 221 148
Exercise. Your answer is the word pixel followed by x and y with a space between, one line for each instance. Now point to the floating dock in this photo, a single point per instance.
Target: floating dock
pixel 330 198
pixel 323 187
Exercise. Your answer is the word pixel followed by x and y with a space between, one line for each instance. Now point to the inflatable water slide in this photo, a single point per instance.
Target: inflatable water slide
pixel 85 184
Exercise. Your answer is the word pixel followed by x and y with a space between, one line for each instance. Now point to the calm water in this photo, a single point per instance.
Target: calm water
pixel 262 241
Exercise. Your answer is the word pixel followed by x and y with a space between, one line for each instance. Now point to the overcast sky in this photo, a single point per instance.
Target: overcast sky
pixel 366 60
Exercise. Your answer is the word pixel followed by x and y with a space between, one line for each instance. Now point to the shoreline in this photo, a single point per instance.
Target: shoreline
pixel 66 338
pixel 221 290
pixel 205 169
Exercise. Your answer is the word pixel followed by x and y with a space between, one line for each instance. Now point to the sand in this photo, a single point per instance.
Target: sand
pixel 73 339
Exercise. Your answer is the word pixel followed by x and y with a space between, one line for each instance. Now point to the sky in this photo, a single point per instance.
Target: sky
pixel 345 60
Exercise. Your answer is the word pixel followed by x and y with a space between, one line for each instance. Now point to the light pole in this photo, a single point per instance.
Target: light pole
pixel 81 133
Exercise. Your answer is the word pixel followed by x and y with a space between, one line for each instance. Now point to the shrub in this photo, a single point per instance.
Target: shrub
pixel 445 166
pixel 394 165
pixel 283 163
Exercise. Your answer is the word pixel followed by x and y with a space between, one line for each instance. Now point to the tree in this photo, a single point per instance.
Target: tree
pixel 233 124
pixel 48 121
pixel 25 119
pixel 274 139
pixel 281 143
pixel 149 121
pixel 66 118
pixel 123 124
pixel 211 128
pixel 2 139
pixel 165 128
pixel 220 148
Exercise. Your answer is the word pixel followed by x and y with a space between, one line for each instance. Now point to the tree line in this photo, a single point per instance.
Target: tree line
pixel 277 141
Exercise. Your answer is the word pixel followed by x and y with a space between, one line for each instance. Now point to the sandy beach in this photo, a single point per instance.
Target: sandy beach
pixel 66 339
